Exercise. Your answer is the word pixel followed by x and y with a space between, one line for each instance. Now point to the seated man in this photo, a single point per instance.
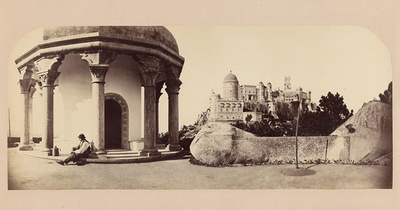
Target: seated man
pixel 81 151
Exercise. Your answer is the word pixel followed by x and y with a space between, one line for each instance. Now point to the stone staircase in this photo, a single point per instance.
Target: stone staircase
pixel 113 156
pixel 122 154
pixel 129 154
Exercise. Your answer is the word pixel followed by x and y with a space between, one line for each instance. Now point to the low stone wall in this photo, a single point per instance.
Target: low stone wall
pixel 309 148
pixel 343 148
pixel 222 144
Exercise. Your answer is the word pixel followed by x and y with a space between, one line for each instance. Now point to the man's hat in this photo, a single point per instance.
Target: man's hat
pixel 82 136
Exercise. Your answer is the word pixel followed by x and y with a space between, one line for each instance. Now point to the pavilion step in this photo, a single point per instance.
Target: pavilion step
pixel 122 154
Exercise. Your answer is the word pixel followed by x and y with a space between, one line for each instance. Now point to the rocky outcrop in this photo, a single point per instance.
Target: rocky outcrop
pixel 371 138
pixel 219 143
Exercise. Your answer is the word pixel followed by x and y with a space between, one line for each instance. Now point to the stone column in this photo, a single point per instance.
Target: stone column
pixel 98 66
pixel 158 95
pixel 31 92
pixel 173 86
pixel 48 73
pixel 150 69
pixel 26 85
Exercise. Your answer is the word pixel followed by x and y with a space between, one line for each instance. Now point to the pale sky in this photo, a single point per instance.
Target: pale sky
pixel 349 60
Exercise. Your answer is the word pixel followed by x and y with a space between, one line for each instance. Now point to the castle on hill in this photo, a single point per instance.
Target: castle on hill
pixel 239 101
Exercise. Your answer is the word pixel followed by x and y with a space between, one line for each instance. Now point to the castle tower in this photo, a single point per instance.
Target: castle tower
pixel 270 100
pixel 269 92
pixel 261 92
pixel 214 106
pixel 287 86
pixel 231 87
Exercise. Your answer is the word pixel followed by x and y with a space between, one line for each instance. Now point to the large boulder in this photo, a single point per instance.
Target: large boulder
pixel 370 132
pixel 219 144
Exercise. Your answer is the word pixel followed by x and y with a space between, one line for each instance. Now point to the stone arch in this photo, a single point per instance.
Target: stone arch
pixel 124 117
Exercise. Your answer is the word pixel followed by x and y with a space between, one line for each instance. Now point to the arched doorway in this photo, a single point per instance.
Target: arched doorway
pixel 116 122
pixel 113 127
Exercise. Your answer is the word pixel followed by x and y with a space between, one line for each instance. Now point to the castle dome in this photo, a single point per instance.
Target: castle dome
pixel 231 78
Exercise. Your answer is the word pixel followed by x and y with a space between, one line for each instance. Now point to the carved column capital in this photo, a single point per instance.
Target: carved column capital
pixel 173 81
pixel 47 69
pixel 47 78
pixel 98 63
pixel 173 86
pixel 172 72
pixel 27 82
pixel 150 68
pixel 98 72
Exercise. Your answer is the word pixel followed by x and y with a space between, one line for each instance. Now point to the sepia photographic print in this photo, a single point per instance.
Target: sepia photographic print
pixel 186 110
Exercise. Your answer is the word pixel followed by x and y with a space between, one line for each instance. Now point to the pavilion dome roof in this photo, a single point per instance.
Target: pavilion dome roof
pixel 157 34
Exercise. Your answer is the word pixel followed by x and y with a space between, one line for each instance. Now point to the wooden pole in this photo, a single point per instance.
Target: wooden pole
pixel 9 123
pixel 297 130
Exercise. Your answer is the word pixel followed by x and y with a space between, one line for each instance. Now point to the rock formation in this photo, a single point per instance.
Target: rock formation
pixel 220 143
pixel 372 136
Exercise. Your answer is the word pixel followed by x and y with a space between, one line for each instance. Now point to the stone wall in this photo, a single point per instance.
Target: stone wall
pixel 309 148
pixel 220 143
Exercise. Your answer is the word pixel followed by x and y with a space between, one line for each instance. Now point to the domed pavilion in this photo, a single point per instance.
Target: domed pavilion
pixel 97 76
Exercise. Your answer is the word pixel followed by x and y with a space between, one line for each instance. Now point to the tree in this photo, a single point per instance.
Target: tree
pixel 386 97
pixel 321 121
pixel 331 112
pixel 284 111
pixel 334 107
pixel 248 118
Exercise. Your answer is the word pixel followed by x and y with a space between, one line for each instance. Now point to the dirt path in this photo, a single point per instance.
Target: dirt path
pixel 27 173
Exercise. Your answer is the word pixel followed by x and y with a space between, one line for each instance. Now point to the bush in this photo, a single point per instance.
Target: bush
pixel 186 136
pixel 163 138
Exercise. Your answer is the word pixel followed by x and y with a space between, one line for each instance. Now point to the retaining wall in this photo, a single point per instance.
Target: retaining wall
pixel 309 148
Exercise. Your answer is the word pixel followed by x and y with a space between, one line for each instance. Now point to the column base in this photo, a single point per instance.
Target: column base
pixel 26 148
pixel 174 147
pixel 149 153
